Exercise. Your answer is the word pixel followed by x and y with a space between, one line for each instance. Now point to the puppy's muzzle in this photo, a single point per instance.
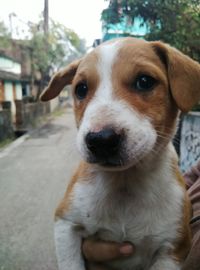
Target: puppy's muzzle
pixel 104 146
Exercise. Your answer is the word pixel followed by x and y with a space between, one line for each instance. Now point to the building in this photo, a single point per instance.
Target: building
pixel 16 76
pixel 123 29
pixel 12 87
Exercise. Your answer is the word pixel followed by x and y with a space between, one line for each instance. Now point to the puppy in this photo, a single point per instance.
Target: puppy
pixel 127 95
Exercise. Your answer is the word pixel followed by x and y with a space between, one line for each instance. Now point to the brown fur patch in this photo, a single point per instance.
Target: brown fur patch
pixel 183 74
pixel 59 81
pixel 136 58
pixel 87 72
pixel 81 174
pixel 183 243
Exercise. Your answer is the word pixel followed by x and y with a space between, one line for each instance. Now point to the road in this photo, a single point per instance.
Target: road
pixel 33 178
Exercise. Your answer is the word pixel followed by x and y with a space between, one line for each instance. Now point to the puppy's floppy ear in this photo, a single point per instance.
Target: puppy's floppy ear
pixel 59 81
pixel 183 75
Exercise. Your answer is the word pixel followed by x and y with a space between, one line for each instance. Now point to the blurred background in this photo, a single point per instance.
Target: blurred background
pixel 37 140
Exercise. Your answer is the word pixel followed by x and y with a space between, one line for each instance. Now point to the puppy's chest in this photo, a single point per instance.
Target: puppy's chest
pixel 111 217
pixel 123 214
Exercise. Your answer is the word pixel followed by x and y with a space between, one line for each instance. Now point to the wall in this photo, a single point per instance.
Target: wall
pixel 28 113
pixel 54 104
pixel 6 128
pixel 8 94
pixel 190 140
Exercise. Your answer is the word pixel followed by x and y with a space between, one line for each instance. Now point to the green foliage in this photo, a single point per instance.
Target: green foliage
pixel 55 49
pixel 176 22
pixel 4 36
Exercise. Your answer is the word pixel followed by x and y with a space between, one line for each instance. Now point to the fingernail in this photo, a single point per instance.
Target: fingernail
pixel 126 249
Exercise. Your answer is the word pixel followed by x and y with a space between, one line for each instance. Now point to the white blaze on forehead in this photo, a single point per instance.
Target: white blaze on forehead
pixel 107 57
pixel 102 100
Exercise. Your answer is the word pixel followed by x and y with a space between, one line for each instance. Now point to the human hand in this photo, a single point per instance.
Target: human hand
pixel 97 253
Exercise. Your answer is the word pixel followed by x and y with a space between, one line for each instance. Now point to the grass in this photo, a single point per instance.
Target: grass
pixel 6 142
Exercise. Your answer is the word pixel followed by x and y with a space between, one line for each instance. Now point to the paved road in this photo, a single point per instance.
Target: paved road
pixel 33 178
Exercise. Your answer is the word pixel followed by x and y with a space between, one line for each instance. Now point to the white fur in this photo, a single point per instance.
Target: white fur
pixel 68 246
pixel 165 263
pixel 143 207
pixel 107 57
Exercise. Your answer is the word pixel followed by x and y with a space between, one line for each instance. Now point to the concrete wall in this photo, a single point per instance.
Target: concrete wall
pixel 6 128
pixel 190 140
pixel 54 104
pixel 28 113
pixel 8 92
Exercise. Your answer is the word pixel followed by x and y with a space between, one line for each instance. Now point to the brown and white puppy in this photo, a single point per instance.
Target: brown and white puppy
pixel 127 94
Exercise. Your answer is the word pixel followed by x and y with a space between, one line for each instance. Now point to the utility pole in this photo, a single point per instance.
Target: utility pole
pixel 11 15
pixel 46 17
pixel 45 74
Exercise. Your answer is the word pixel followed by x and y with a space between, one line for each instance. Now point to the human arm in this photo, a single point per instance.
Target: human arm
pixel 192 178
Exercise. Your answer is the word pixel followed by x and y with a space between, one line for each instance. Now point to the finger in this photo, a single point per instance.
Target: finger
pixel 101 251
pixel 95 266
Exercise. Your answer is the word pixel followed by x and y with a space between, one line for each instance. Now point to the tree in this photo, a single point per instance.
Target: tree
pixel 47 52
pixel 176 22
pixel 53 51
pixel 4 36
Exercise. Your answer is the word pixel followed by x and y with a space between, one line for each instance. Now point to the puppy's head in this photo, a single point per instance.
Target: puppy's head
pixel 126 98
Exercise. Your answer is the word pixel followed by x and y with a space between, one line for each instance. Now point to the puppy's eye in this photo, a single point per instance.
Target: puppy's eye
pixel 144 83
pixel 81 90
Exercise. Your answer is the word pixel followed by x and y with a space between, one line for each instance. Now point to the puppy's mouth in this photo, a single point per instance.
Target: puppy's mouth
pixel 107 162
pixel 114 150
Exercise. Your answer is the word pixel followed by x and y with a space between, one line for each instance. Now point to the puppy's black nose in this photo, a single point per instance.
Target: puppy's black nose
pixel 103 144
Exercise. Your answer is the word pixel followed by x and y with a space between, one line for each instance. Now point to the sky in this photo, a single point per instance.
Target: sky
pixel 82 16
